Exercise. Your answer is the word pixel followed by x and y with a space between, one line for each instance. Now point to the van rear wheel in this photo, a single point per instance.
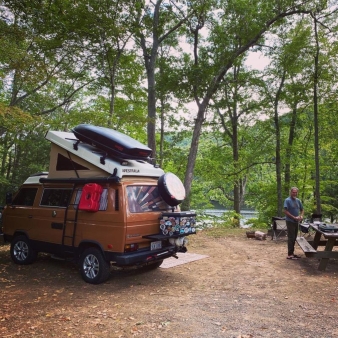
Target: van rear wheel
pixel 21 251
pixel 94 268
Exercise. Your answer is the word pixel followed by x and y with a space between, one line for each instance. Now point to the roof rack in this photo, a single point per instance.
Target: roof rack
pixel 110 179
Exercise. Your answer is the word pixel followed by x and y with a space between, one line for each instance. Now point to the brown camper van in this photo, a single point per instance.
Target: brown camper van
pixel 102 203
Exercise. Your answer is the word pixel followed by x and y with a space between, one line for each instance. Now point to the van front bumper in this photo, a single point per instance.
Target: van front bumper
pixel 141 257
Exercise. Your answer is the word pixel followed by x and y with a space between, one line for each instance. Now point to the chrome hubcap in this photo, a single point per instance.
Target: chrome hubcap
pixel 91 266
pixel 20 251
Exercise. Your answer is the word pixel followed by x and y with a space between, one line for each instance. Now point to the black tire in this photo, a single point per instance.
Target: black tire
pixel 21 251
pixel 94 268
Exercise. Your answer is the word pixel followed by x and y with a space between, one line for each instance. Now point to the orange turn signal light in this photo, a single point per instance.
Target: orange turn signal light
pixel 130 247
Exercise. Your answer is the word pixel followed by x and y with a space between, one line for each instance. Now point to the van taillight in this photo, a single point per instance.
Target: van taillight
pixel 130 247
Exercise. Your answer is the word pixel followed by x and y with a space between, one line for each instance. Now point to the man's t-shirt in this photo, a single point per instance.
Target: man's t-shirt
pixel 293 206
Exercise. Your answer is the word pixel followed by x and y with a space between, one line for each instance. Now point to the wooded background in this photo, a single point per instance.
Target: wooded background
pixel 174 75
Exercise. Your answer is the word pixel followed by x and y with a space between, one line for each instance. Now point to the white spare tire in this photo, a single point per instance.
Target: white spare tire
pixel 171 189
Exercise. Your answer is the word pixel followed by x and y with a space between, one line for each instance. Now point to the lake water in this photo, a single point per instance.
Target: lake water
pixel 246 214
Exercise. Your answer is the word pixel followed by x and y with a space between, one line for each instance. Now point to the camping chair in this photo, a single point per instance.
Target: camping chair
pixel 279 228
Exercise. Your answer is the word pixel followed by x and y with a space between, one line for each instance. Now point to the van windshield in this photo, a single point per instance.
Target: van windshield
pixel 145 198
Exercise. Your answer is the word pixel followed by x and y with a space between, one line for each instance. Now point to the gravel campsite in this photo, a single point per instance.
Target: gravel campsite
pixel 242 287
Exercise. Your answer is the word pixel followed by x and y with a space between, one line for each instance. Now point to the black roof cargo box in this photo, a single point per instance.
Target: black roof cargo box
pixel 111 141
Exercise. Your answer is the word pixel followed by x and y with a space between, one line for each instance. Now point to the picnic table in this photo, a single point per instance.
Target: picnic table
pixel 327 239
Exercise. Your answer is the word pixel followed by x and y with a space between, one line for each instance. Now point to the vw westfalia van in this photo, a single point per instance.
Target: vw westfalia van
pixel 102 203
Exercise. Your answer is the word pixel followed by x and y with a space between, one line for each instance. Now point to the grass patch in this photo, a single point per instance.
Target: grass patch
pixel 219 232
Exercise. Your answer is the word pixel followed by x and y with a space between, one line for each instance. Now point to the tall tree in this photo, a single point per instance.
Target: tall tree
pixel 240 25
pixel 156 22
pixel 45 72
pixel 320 30
pixel 108 37
pixel 236 108
pixel 50 66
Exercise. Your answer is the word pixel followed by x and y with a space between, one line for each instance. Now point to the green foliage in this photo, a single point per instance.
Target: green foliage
pixel 13 119
pixel 231 219
pixel 256 223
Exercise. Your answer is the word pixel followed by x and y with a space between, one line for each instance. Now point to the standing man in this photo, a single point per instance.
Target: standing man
pixel 294 212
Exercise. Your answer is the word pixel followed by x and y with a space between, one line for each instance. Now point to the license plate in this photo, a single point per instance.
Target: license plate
pixel 155 245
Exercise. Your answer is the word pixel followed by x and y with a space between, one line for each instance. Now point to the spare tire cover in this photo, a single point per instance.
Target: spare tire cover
pixel 171 189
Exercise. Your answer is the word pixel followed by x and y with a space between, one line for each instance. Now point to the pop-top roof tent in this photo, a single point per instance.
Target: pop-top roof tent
pixel 97 154
pixel 70 157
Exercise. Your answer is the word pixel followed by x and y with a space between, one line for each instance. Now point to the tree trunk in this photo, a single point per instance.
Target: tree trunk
pixel 235 154
pixel 150 56
pixel 150 62
pixel 287 171
pixel 161 134
pixel 16 163
pixel 112 80
pixel 278 149
pixel 151 108
pixel 193 154
pixel 4 159
pixel 278 166
pixel 315 118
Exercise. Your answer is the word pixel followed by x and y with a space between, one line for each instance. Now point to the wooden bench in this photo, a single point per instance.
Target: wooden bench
pixel 306 247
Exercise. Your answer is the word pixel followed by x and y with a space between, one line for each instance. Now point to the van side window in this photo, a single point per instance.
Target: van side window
pixel 145 198
pixel 56 197
pixel 25 196
pixel 103 199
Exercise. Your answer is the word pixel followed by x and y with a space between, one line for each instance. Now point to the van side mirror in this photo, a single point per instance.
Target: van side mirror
pixel 9 198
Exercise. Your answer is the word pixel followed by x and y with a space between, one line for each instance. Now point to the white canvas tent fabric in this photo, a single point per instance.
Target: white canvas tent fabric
pixel 96 161
pixel 90 171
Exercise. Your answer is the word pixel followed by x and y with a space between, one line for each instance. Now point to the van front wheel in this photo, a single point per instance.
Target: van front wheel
pixel 21 251
pixel 94 268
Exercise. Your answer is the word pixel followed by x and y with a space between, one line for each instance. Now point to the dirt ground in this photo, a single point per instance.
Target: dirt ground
pixel 245 288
